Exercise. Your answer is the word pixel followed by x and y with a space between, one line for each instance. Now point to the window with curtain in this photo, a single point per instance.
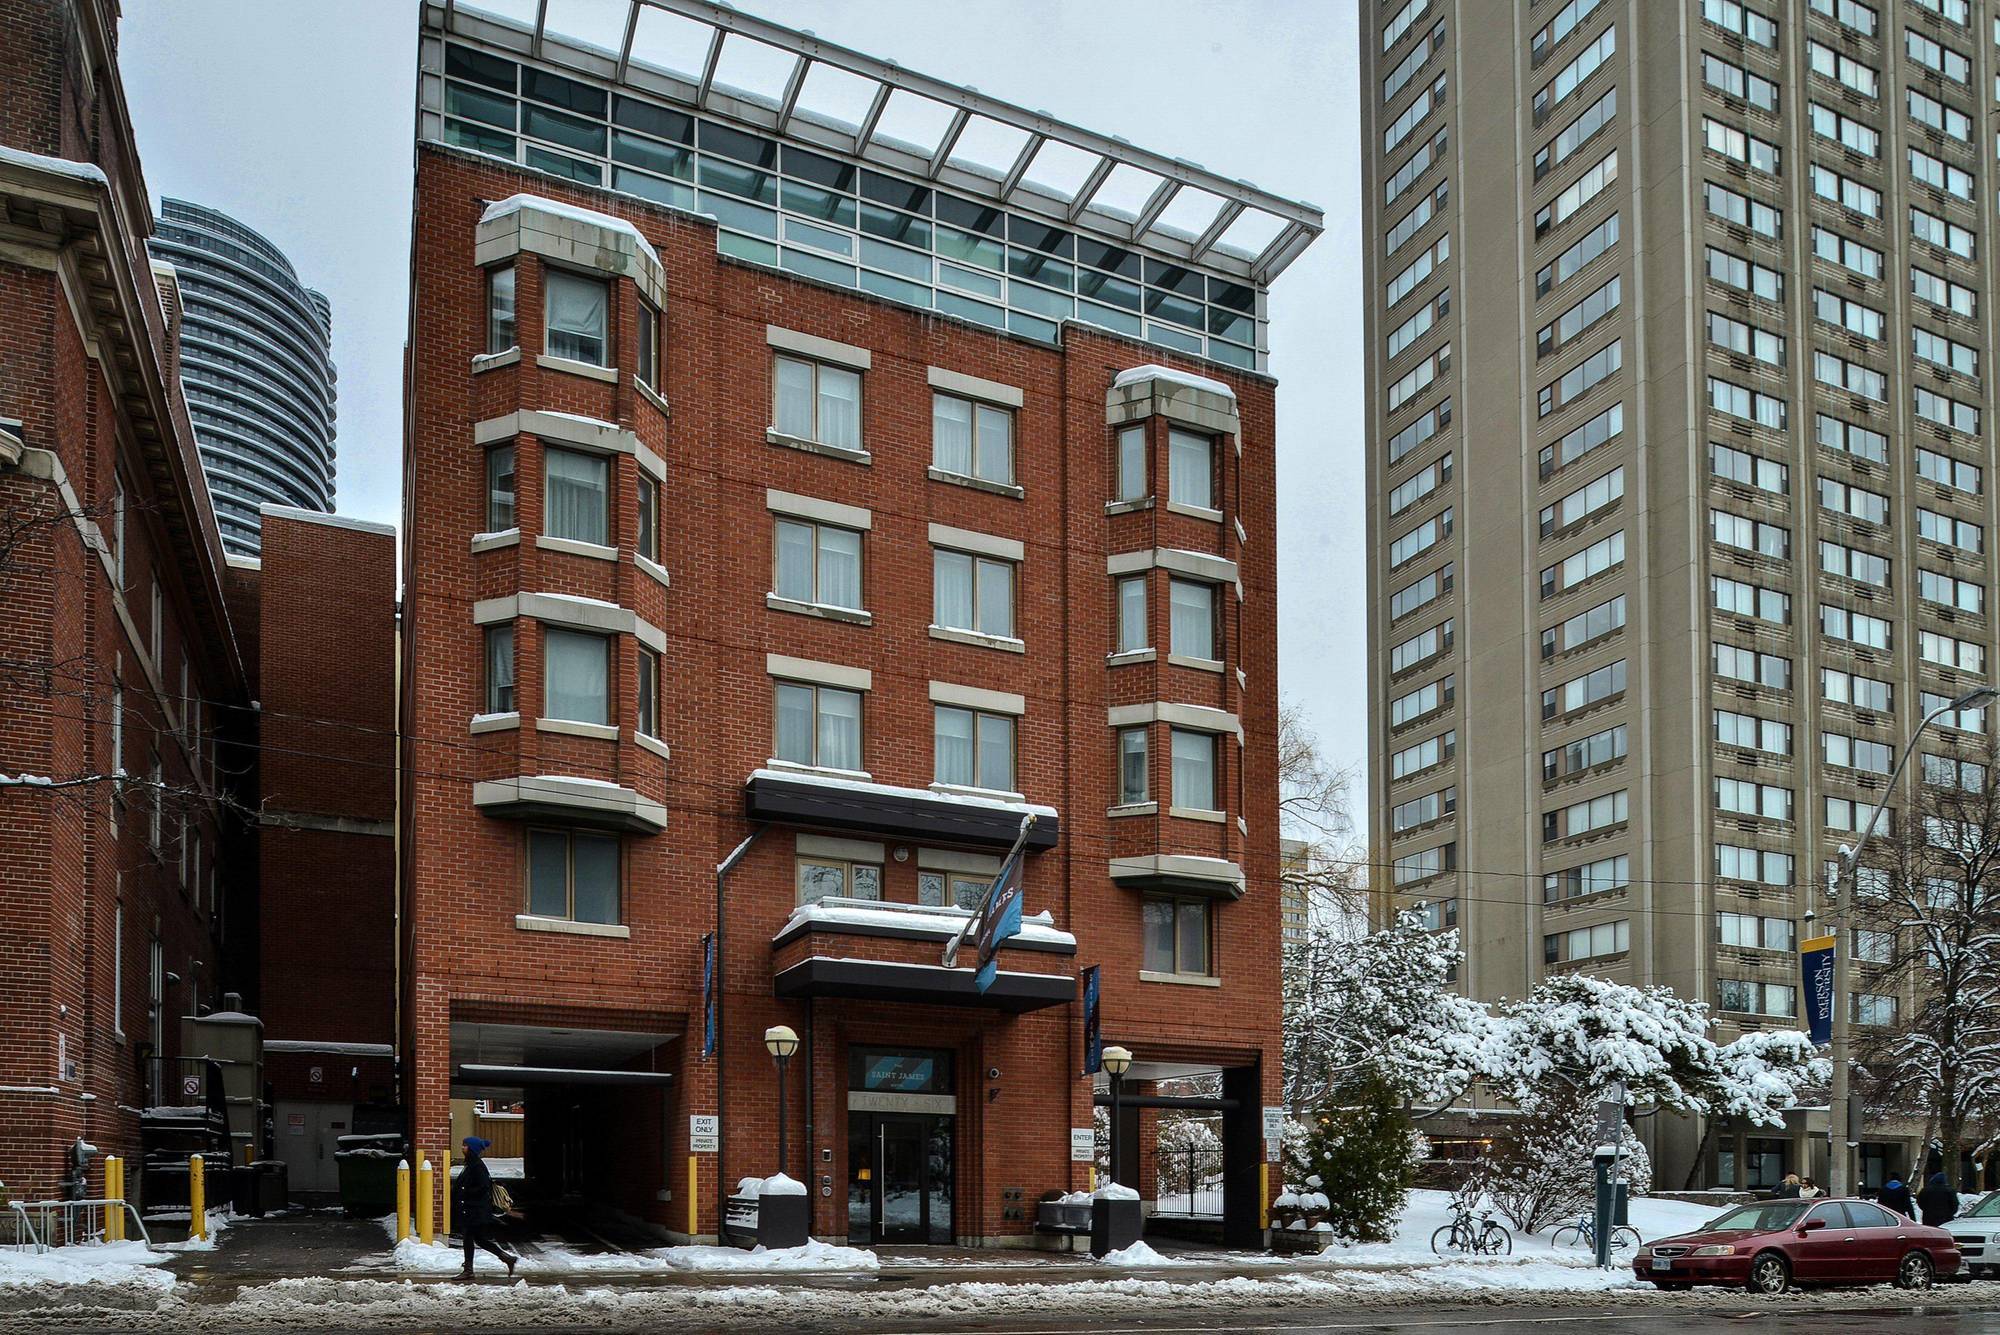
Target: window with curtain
pixel 500 669
pixel 1194 770
pixel 1176 935
pixel 972 439
pixel 500 309
pixel 578 314
pixel 1132 631
pixel 576 676
pixel 817 563
pixel 1190 469
pixel 573 876
pixel 973 593
pixel 820 878
pixel 817 725
pixel 1132 463
pixel 1134 773
pixel 649 693
pixel 974 749
pixel 816 401
pixel 500 514
pixel 649 517
pixel 1192 607
pixel 577 491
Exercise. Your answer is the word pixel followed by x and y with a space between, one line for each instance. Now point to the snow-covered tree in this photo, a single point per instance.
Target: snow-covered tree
pixel 1927 948
pixel 1380 1009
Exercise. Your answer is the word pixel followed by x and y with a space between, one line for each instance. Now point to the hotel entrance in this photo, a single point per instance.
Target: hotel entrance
pixel 901 1129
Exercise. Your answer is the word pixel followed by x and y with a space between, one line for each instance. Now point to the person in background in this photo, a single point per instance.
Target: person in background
pixel 1809 1190
pixel 1896 1196
pixel 472 1206
pixel 1787 1190
pixel 1938 1201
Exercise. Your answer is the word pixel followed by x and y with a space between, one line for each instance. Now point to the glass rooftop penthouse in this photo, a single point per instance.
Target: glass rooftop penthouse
pixel 849 169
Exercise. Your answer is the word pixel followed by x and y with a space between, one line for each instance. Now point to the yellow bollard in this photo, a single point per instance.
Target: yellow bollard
pixel 197 1200
pixel 1263 1195
pixel 114 1191
pixel 444 1197
pixel 424 1195
pixel 694 1194
pixel 402 1199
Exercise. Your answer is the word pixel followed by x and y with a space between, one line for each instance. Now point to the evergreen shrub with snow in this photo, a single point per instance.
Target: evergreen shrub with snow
pixel 1352 1165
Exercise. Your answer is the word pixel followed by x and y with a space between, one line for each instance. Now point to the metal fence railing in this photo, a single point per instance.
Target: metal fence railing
pixel 40 1225
pixel 1188 1180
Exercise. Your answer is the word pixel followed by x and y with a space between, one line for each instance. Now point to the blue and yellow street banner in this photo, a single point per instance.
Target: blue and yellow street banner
pixel 1816 972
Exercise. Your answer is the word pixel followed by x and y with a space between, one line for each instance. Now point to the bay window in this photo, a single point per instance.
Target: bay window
pixel 576 676
pixel 1192 614
pixel 1194 770
pixel 577 317
pixel 576 501
pixel 1191 469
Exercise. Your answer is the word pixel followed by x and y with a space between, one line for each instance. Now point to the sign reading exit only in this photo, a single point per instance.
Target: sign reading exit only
pixel 704 1133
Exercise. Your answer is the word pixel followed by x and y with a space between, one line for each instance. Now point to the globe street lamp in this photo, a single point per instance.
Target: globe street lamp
pixel 782 1041
pixel 1116 1061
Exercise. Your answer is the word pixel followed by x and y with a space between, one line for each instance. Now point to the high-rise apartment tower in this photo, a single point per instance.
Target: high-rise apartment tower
pixel 1677 462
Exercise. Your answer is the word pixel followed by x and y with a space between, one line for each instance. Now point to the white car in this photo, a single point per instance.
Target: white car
pixel 1978 1234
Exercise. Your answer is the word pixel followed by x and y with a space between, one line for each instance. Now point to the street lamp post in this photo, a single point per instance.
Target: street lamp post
pixel 782 1041
pixel 1838 1178
pixel 1116 1062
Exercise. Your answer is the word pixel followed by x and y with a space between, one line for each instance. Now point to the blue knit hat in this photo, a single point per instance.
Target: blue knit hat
pixel 475 1145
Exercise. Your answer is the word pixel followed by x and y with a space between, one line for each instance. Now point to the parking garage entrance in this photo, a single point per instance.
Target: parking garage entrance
pixel 584 1110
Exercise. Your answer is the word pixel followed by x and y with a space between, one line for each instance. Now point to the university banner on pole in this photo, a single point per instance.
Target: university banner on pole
pixel 1093 1034
pixel 1816 972
pixel 998 915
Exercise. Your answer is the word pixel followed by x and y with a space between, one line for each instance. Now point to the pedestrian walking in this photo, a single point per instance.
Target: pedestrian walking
pixel 1896 1197
pixel 473 1207
pixel 1938 1200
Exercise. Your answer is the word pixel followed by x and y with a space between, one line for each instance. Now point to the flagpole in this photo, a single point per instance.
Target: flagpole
pixel 978 916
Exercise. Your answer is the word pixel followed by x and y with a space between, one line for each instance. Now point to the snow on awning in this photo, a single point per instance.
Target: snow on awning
pixel 868 917
pixel 922 815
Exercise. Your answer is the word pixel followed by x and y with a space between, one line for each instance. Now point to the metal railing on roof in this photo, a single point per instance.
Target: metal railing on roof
pixel 1203 238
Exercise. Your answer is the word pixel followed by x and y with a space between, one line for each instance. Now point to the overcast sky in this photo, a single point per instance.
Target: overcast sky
pixel 296 118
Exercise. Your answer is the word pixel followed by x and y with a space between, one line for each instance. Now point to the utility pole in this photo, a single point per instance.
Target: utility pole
pixel 1839 1148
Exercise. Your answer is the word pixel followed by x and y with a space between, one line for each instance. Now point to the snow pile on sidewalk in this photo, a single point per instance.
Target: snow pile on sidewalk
pixel 441 1257
pixel 814 1255
pixel 1138 1255
pixel 127 1264
pixel 218 1222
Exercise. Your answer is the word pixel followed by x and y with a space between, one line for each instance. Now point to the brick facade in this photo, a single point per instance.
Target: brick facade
pixel 118 653
pixel 466 961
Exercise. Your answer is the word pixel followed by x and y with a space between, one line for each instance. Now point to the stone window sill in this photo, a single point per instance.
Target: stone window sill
pixel 796 768
pixel 1125 656
pixel 496 722
pixel 1128 507
pixel 979 640
pixel 1180 979
pixel 570 727
pixel 1198 664
pixel 774 436
pixel 966 790
pixel 1194 511
pixel 1198 813
pixel 826 612
pixel 493 361
pixel 1133 809
pixel 976 483
pixel 528 922
pixel 608 374
pixel 595 551
pixel 493 542
pixel 653 568
pixel 652 396
pixel 653 744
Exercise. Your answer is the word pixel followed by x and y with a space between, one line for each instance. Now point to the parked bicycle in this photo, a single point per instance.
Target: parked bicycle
pixel 1472 1233
pixel 1583 1233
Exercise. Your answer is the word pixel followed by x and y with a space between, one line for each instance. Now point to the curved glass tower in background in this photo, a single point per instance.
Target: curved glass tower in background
pixel 256 366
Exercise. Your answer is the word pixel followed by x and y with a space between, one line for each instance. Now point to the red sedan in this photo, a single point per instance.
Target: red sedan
pixel 1768 1246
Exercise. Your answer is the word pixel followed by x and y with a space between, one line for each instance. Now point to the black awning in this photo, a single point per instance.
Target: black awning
pixel 471 1073
pixel 900 813
pixel 927 984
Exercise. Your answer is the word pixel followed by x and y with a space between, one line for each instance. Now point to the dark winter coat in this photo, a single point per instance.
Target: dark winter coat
pixel 1785 1191
pixel 1896 1197
pixel 472 1194
pixel 1938 1201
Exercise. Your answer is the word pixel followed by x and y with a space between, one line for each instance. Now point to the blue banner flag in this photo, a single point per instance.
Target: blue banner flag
pixel 1816 970
pixel 1001 919
pixel 708 994
pixel 1093 1033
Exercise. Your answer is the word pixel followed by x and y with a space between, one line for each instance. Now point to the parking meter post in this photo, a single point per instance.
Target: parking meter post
pixel 1602 1161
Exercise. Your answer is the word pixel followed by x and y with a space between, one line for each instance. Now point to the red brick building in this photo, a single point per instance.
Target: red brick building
pixel 752 600
pixel 119 661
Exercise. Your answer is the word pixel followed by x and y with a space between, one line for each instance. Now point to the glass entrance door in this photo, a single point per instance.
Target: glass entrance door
pixel 899 1178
